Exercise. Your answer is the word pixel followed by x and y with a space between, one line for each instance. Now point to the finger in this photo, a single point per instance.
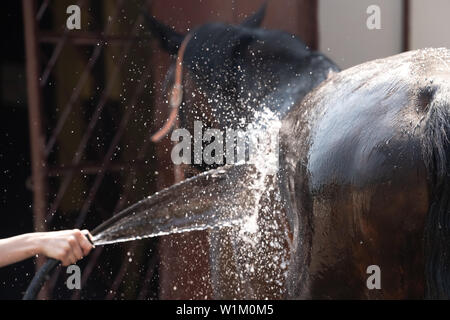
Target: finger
pixel 65 263
pixel 68 259
pixel 78 251
pixel 84 243
pixel 87 234
pixel 75 247
pixel 65 254
pixel 73 259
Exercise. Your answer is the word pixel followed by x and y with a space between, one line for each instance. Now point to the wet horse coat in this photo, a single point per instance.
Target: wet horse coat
pixel 366 170
pixel 363 177
pixel 363 180
pixel 364 166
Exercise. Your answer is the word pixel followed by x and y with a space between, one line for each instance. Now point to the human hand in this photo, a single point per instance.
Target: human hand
pixel 68 246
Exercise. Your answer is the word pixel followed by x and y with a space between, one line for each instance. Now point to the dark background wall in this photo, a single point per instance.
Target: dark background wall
pixel 15 197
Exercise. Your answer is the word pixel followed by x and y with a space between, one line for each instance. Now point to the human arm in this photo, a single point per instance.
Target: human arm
pixel 68 246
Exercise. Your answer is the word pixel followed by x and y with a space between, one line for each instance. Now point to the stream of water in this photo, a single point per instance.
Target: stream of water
pixel 224 197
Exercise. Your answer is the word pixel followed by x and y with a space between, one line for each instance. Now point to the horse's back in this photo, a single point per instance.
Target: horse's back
pixel 359 175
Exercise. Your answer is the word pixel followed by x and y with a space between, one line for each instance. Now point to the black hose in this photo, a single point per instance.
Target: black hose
pixel 39 278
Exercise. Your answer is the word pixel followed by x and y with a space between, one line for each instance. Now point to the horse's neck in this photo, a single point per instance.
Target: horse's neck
pixel 289 84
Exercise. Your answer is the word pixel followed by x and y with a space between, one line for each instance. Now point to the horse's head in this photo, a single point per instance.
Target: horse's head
pixel 230 71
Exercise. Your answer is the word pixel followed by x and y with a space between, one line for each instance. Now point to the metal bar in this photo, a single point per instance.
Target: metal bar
pixel 77 91
pixel 107 158
pixel 148 277
pixel 406 25
pixel 52 61
pixel 55 54
pixel 87 271
pixel 87 134
pixel 119 205
pixel 73 98
pixel 42 9
pixel 122 271
pixel 109 154
pixel 308 22
pixel 100 176
pixel 86 38
pixel 37 139
pixel 92 169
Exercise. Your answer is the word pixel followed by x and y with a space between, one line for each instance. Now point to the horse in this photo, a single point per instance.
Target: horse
pixel 359 204
pixel 364 164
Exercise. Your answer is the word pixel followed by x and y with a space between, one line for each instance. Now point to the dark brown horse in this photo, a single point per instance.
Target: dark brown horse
pixel 363 175
pixel 364 169
pixel 364 180
pixel 366 163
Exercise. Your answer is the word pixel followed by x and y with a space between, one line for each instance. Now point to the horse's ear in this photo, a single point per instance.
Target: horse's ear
pixel 169 39
pixel 256 19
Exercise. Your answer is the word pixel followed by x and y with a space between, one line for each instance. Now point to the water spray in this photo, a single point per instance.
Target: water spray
pixel 214 199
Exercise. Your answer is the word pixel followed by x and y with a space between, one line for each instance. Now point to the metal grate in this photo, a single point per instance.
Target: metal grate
pixel 48 173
